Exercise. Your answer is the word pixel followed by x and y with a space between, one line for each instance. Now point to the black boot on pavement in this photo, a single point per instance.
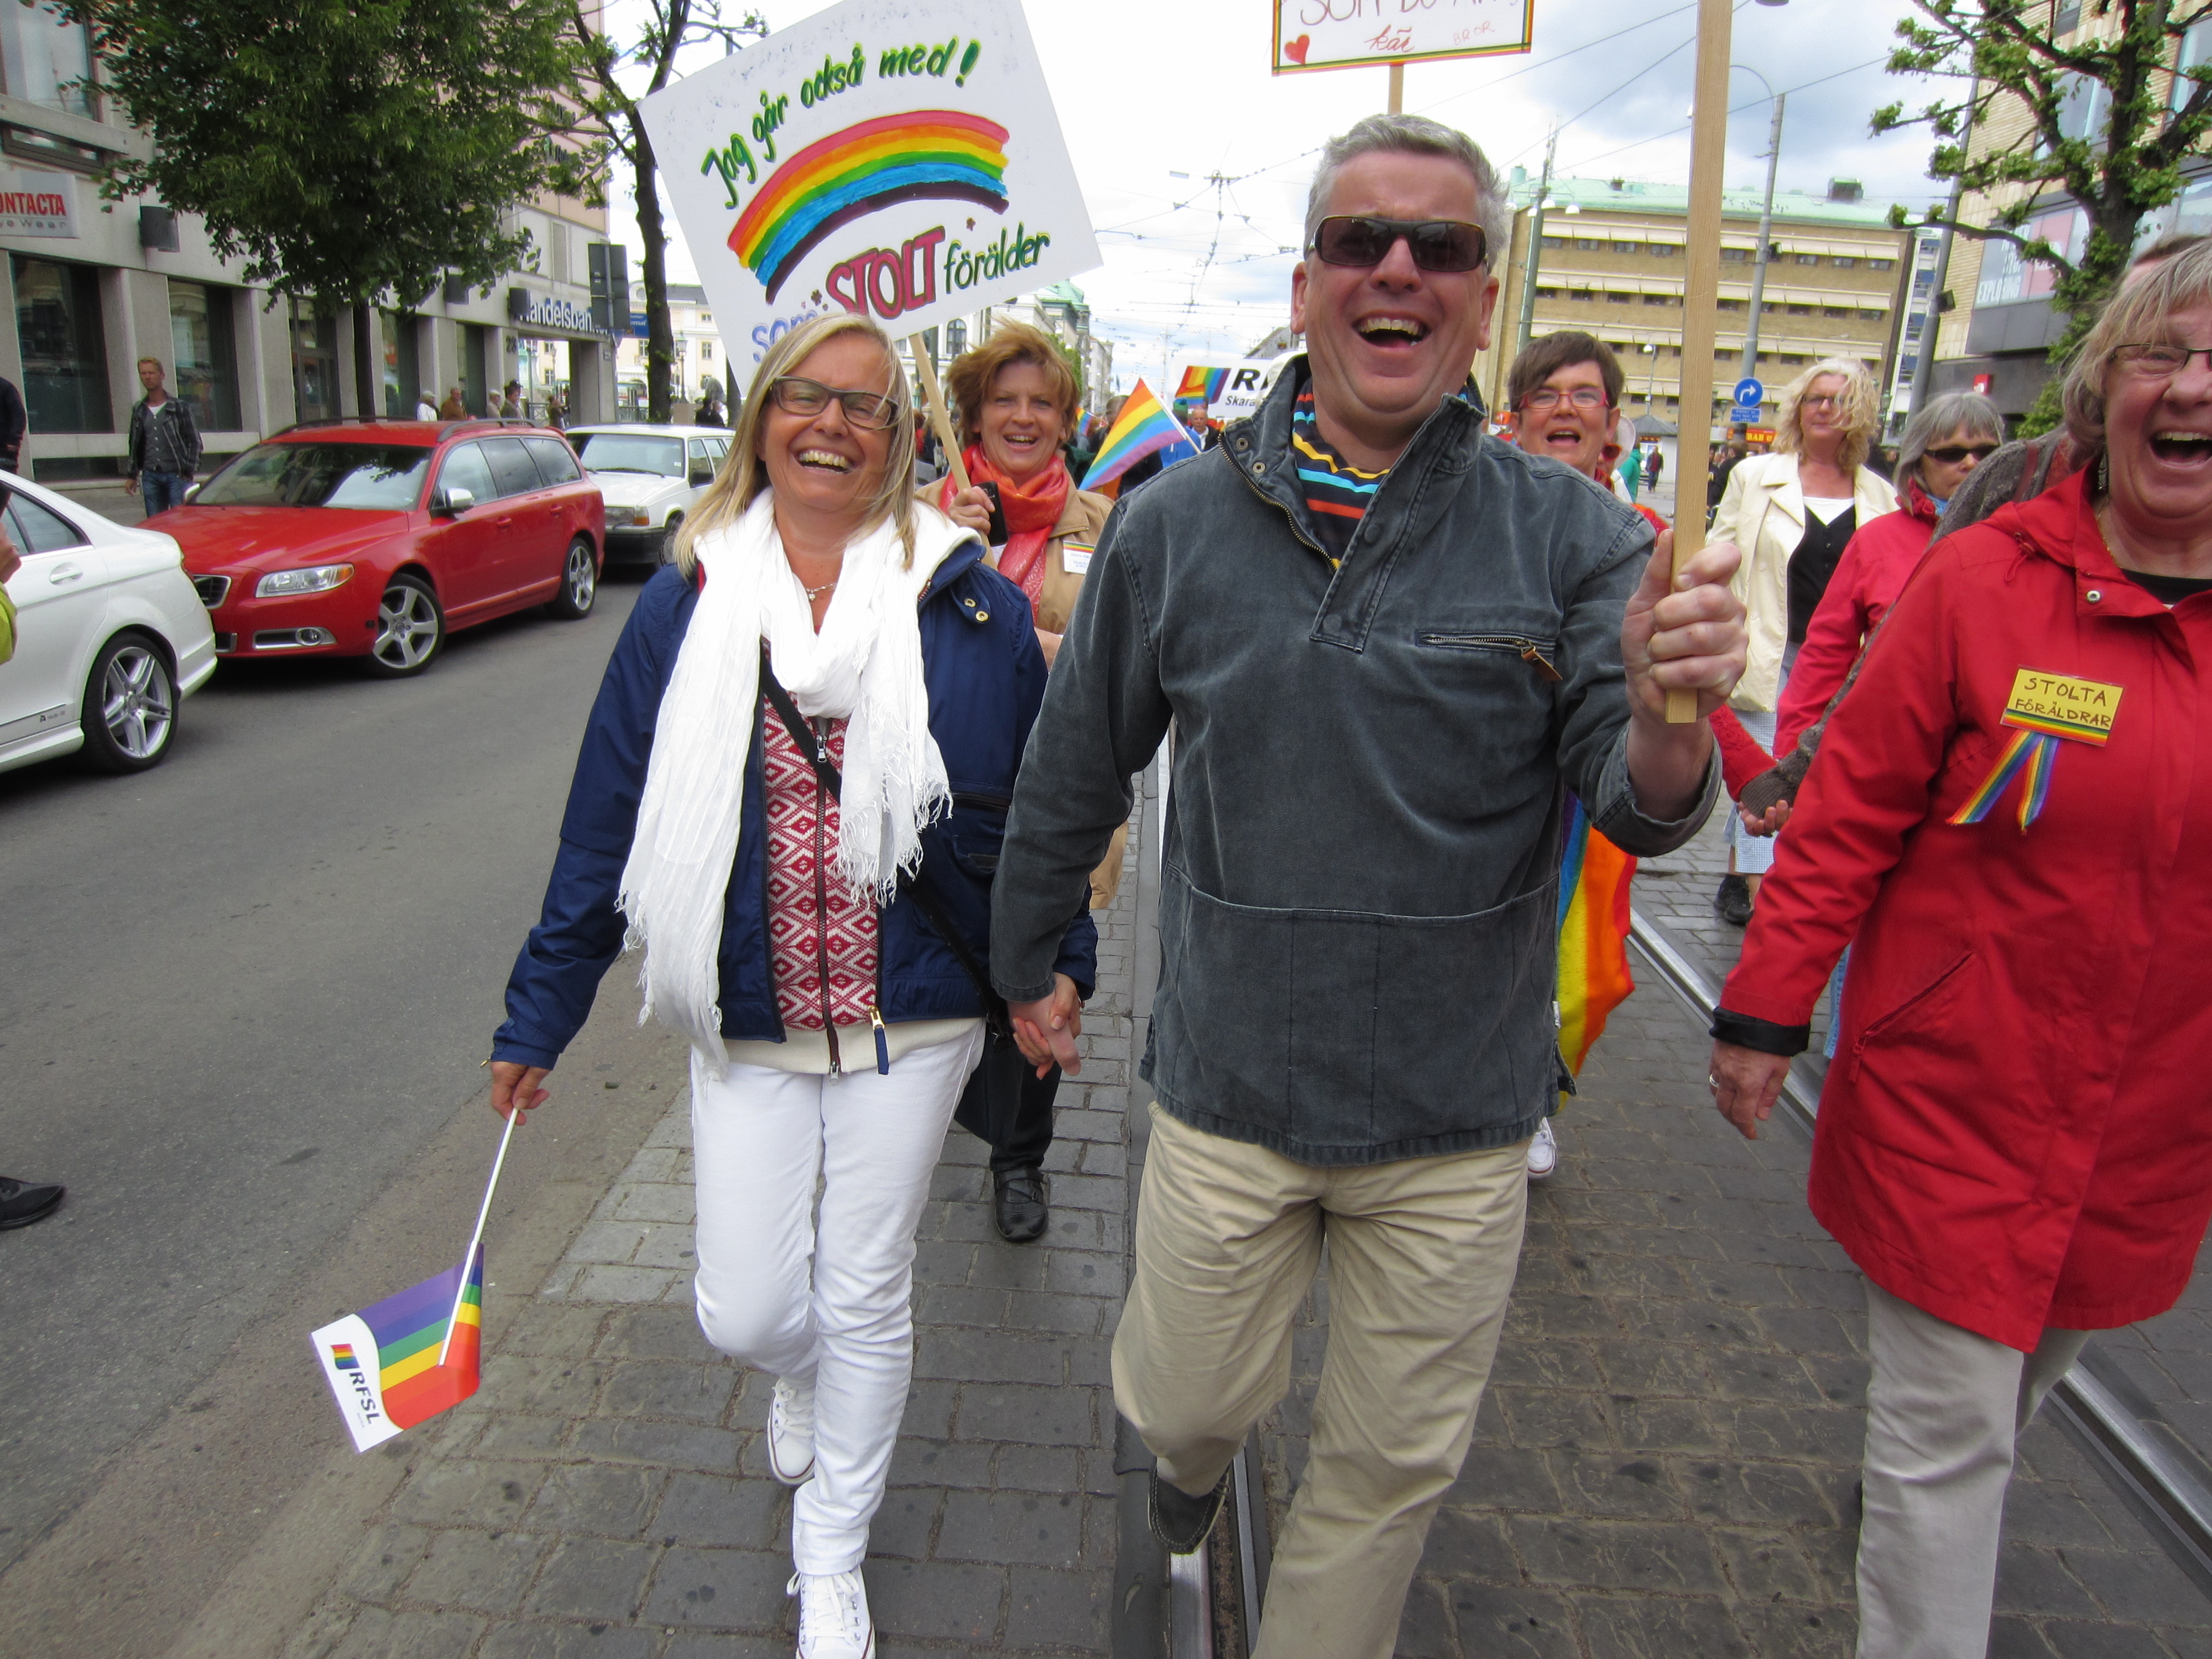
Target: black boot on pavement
pixel 22 1202
pixel 1734 901
pixel 1019 1204
pixel 1181 1521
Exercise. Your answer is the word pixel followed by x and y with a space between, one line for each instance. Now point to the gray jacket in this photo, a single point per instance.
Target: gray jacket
pixel 1359 908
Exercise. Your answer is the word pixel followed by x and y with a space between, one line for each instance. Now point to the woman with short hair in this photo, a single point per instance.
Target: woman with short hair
pixel 1793 511
pixel 1014 397
pixel 2012 812
pixel 792 788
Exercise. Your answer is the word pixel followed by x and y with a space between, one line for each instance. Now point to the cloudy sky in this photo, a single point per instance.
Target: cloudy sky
pixel 1157 98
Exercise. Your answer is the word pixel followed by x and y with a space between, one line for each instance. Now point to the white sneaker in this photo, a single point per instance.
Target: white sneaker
pixel 1543 1153
pixel 791 1433
pixel 833 1615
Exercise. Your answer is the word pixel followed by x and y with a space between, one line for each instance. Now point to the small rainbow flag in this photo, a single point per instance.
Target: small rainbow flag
pixel 1200 385
pixel 1594 899
pixel 925 153
pixel 1145 428
pixel 423 1347
pixel 413 1371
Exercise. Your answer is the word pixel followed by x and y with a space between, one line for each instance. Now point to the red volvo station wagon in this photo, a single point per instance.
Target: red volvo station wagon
pixel 375 538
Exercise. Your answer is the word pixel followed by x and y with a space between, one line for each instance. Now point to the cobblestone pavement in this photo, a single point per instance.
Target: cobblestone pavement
pixel 606 1493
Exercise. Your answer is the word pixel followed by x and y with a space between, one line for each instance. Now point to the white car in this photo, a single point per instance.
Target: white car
pixel 111 636
pixel 649 477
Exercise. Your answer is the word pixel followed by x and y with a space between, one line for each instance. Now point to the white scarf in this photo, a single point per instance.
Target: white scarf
pixel 864 667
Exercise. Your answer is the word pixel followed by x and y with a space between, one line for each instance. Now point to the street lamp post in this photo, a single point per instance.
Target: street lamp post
pixel 1750 369
pixel 1529 263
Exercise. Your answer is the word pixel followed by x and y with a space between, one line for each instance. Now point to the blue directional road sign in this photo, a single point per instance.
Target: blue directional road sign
pixel 1749 394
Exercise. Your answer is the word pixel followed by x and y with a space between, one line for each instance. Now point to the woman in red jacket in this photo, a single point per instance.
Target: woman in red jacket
pixel 2012 812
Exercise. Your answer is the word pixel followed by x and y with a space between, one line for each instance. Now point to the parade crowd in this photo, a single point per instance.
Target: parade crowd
pixel 859 768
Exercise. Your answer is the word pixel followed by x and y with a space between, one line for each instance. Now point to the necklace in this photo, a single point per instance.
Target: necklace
pixel 814 593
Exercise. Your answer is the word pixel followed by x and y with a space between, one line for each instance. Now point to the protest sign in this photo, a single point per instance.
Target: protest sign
pixel 1227 388
pixel 1319 35
pixel 898 159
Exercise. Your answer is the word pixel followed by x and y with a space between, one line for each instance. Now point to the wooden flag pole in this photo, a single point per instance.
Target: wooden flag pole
pixel 933 400
pixel 1397 88
pixel 1693 416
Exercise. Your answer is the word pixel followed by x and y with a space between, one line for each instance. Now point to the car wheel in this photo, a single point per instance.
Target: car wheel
pixel 666 552
pixel 580 582
pixel 130 713
pixel 410 629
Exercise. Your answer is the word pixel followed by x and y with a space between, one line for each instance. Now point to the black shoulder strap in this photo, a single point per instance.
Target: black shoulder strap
pixel 818 756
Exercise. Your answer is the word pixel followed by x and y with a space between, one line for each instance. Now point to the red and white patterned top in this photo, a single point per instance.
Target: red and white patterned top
pixel 810 913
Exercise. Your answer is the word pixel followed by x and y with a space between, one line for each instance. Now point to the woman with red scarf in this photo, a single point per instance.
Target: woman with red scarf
pixel 1014 398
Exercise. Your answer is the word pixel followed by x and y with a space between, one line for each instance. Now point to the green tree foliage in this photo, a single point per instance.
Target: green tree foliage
pixel 346 150
pixel 610 70
pixel 1996 53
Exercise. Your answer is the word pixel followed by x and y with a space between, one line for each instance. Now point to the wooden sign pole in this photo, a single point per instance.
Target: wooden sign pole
pixel 1397 88
pixel 1694 417
pixel 932 401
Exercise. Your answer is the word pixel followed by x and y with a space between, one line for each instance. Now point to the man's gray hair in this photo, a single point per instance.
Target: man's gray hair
pixel 1938 418
pixel 1416 135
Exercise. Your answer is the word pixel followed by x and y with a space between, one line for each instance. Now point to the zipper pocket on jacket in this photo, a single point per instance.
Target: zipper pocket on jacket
pixel 1917 999
pixel 1532 652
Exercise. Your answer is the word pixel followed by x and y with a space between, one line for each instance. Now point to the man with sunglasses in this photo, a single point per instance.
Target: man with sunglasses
pixel 1388 643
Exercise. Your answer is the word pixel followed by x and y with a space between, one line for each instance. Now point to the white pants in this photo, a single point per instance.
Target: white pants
pixel 760 1139
pixel 1943 1411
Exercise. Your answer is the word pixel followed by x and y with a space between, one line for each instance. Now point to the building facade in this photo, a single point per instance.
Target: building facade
pixel 94 286
pixel 1996 331
pixel 1610 261
pixel 702 357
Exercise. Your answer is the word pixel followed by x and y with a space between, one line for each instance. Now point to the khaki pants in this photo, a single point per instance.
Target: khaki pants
pixel 1944 1407
pixel 1421 1253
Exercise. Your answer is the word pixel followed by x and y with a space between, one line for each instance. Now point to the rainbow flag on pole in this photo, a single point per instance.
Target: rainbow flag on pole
pixel 1594 897
pixel 1144 428
pixel 412 1355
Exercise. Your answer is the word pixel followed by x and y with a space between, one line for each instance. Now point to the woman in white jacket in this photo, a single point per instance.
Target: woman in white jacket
pixel 1792 512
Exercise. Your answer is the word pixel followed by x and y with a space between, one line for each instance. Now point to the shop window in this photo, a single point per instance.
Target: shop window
pixel 202 339
pixel 2196 52
pixel 2007 278
pixel 403 371
pixel 64 349
pixel 44 59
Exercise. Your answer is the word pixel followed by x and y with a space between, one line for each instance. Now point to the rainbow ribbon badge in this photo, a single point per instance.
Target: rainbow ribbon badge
pixel 2048 708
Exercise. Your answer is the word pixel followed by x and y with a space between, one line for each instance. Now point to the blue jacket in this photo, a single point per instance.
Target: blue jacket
pixel 985 678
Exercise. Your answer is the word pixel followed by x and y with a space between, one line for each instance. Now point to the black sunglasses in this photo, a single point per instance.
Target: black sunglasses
pixel 869 411
pixel 1951 454
pixel 1435 244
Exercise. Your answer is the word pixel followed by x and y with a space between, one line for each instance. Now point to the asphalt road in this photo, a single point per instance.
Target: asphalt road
pixel 240 992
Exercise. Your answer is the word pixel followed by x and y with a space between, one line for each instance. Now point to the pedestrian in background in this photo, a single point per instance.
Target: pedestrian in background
pixel 1353 1030
pixel 2012 816
pixel 1655 464
pixel 1793 511
pixel 909 675
pixel 510 403
pixel 15 426
pixel 1015 396
pixel 453 409
pixel 165 443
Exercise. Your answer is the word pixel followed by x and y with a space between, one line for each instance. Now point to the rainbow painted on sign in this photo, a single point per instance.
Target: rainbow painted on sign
pixel 1201 384
pixel 926 154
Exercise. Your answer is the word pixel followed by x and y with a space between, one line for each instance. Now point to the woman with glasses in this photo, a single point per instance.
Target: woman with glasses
pixel 1016 396
pixel 2012 812
pixel 791 790
pixel 1793 511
